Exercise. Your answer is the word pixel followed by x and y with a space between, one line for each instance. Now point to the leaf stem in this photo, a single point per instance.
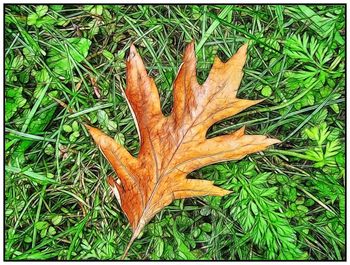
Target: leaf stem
pixel 134 236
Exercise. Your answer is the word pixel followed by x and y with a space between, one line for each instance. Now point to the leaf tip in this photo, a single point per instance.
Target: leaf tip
pixel 239 58
pixel 132 52
pixel 257 101
pixel 227 192
pixel 239 132
pixel 189 53
pixel 95 133
pixel 243 49
pixel 274 141
pixel 88 127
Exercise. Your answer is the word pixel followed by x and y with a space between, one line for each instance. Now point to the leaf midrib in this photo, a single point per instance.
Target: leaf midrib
pixel 161 175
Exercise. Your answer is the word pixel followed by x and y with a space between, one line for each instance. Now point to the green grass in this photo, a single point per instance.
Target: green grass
pixel 288 202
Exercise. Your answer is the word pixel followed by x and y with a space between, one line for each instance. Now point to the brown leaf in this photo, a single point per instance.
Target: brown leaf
pixel 173 146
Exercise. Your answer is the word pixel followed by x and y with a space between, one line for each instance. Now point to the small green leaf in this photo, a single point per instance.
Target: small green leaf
pixel 325 91
pixel 302 208
pixel 272 217
pixel 56 7
pixel 112 125
pixel 79 49
pixel 97 10
pixel 75 126
pixel 67 128
pixel 269 192
pixel 40 225
pixel 94 28
pixel 49 150
pixel 108 55
pixel 206 227
pixel 42 76
pixel 41 10
pixel 10 109
pixel 266 91
pixel 205 211
pixel 254 208
pixel 52 231
pixel 17 62
pixel 260 179
pixel 73 137
pixel 335 108
pixel 308 100
pixel 300 200
pixel 8 212
pixel 159 247
pixel 56 220
pixel 47 21
pixel 102 117
pixel 27 239
pixel 43 233
pixel 196 232
pixel 32 18
pixel 120 138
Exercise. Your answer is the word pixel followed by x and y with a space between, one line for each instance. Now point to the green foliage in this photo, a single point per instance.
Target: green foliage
pixel 14 101
pixel 318 68
pixel 62 62
pixel 65 64
pixel 322 156
pixel 261 216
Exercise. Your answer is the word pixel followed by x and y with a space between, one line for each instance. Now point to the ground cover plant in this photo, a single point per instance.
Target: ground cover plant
pixel 65 64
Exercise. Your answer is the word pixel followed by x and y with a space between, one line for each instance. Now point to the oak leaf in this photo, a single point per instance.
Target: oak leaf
pixel 173 146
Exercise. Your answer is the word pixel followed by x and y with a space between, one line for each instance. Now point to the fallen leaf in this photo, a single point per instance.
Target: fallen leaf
pixel 173 146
